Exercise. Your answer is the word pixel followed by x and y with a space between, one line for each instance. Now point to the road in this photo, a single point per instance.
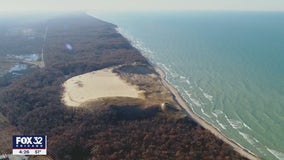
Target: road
pixel 42 63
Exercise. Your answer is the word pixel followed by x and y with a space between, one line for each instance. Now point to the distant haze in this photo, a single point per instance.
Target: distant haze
pixel 142 5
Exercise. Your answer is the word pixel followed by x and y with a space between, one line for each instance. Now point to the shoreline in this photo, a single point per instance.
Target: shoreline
pixel 184 106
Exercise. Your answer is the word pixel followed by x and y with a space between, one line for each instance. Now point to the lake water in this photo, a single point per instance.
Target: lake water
pixel 228 66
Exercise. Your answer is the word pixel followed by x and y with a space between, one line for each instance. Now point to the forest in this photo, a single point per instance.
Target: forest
pixel 32 103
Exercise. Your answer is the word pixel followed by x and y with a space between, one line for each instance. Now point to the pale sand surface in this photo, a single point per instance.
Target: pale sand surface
pixel 94 85
pixel 243 151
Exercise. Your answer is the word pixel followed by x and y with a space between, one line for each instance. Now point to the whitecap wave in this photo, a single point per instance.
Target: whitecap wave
pixel 208 96
pixel 188 82
pixel 165 67
pixel 202 110
pixel 248 138
pixel 174 75
pixel 221 125
pixel 226 117
pixel 187 93
pixel 247 126
pixel 236 124
pixel 277 154
pixel 195 101
pixel 182 77
pixel 256 140
pixel 215 115
pixel 217 112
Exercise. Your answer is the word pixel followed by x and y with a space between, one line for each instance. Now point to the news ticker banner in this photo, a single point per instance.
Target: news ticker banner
pixel 30 145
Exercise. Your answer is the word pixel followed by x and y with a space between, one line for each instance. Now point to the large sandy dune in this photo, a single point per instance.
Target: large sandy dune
pixel 94 85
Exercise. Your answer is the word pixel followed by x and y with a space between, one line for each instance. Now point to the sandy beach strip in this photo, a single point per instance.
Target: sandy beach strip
pixel 94 85
pixel 237 147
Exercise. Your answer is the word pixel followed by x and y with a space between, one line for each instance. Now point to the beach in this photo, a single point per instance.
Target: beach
pixel 94 85
pixel 243 151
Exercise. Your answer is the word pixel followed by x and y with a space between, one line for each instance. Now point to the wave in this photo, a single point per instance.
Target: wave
pixel 217 112
pixel 226 117
pixel 236 124
pixel 174 75
pixel 220 124
pixel 182 77
pixel 247 126
pixel 206 95
pixel 165 67
pixel 248 138
pixel 195 101
pixel 169 71
pixel 215 115
pixel 255 140
pixel 277 154
pixel 187 93
pixel 202 110
pixel 188 82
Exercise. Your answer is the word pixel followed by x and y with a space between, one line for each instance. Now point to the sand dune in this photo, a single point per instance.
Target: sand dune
pixel 97 84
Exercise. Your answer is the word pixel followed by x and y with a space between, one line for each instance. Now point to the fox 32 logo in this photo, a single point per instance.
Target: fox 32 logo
pixel 30 145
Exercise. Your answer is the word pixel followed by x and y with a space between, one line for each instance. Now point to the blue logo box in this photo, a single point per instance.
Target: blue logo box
pixel 30 142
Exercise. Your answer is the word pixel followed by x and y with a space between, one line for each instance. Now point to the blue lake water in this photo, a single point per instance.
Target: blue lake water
pixel 228 66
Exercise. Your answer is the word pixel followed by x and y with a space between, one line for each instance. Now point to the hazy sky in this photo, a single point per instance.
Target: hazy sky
pixel 35 5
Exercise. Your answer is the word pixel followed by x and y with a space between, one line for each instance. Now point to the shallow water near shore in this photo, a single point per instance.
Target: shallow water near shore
pixel 228 66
